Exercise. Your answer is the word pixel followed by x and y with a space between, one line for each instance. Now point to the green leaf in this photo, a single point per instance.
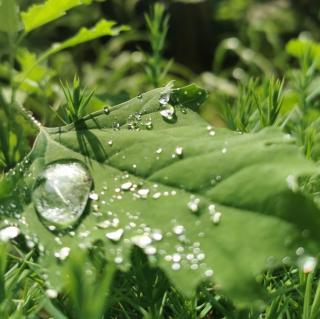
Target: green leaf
pixel 178 168
pixel 9 18
pixel 299 47
pixel 102 28
pixel 32 73
pixel 40 14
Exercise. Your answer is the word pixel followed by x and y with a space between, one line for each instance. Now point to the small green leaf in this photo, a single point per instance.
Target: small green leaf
pixel 102 28
pixel 40 14
pixel 201 203
pixel 9 18
pixel 299 47
pixel 32 73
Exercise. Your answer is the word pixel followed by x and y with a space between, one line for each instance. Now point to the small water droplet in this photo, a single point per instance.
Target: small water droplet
pixel 106 110
pixel 156 195
pixel 139 96
pixel 150 250
pixel 176 266
pixel 168 112
pixel 216 218
pixel 193 205
pixel 176 257
pixel 9 232
pixel 104 224
pixel 118 260
pixel 141 241
pixel 208 273
pixel 116 126
pixel 115 235
pixel 143 192
pixel 157 235
pixel 178 229
pixel 292 183
pixel 126 186
pixel 149 124
pixel 52 293
pixel 224 151
pixel 179 150
pixel 94 196
pixel 164 98
pixel 110 142
pixel 300 251
pixel 308 264
pixel 62 192
pixel 159 150
pixel 63 253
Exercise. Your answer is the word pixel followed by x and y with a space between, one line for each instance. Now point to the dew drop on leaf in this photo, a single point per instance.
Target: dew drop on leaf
pixel 126 186
pixel 63 253
pixel 61 193
pixel 179 150
pixel 193 205
pixel 115 235
pixel 208 273
pixel 9 232
pixel 141 241
pixel 106 110
pixel 178 229
pixel 149 124
pixel 164 98
pixel 216 218
pixel 168 112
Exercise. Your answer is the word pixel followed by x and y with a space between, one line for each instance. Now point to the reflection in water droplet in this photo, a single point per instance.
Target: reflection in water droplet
pixel 62 192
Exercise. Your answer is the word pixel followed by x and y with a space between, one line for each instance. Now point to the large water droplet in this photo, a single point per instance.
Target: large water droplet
pixel 62 192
